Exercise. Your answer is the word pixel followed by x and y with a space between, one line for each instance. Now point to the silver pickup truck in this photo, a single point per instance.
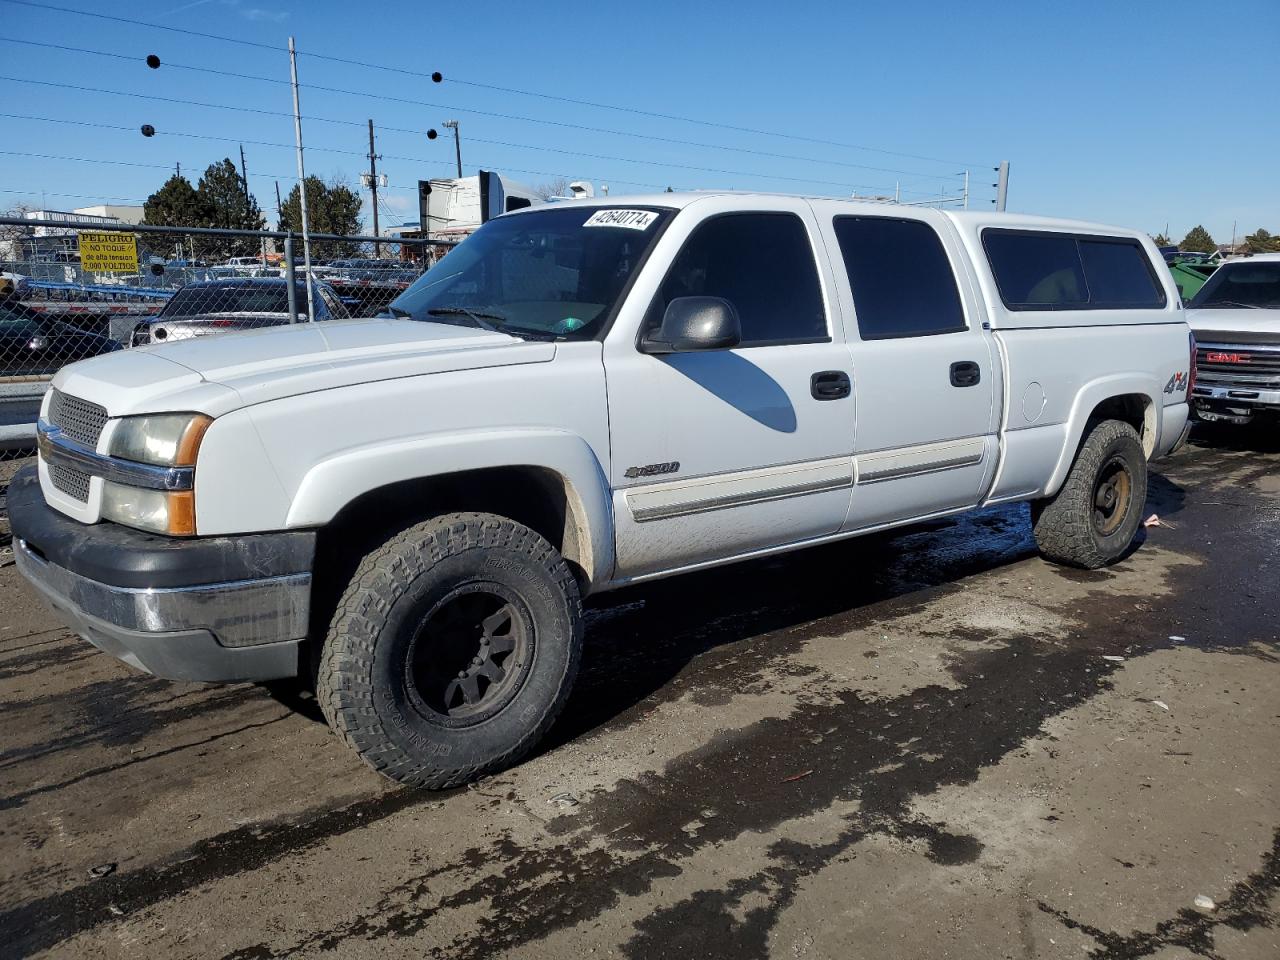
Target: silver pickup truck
pixel 410 510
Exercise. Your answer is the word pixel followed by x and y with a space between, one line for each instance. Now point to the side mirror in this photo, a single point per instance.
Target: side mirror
pixel 695 323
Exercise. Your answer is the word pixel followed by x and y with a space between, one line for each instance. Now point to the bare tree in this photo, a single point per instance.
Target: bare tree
pixel 559 187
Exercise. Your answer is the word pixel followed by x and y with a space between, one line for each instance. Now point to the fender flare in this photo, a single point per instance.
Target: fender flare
pixel 331 484
pixel 1087 399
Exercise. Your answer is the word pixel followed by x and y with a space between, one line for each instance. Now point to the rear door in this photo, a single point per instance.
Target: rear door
pixel 926 374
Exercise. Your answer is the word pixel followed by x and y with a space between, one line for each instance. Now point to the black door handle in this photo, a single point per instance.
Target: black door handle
pixel 965 373
pixel 830 385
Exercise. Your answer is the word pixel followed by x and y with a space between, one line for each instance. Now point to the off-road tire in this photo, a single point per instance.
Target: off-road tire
pixel 364 680
pixel 1064 525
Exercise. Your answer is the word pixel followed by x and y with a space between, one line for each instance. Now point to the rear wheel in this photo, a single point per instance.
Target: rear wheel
pixel 1092 520
pixel 452 650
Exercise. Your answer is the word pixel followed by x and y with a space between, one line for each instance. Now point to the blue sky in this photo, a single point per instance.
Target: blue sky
pixel 1137 113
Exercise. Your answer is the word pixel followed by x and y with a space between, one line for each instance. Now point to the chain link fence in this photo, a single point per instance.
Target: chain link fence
pixel 71 290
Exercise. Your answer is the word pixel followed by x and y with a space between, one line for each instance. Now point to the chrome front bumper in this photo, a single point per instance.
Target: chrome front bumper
pixel 1235 394
pixel 238 630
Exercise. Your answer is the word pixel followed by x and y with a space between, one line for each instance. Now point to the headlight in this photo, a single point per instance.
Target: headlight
pixel 162 440
pixel 162 511
pixel 165 439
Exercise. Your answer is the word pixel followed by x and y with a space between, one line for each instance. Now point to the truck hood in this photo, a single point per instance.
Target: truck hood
pixel 1235 325
pixel 217 374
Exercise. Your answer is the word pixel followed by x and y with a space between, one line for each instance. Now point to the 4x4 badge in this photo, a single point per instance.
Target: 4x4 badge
pixel 1177 382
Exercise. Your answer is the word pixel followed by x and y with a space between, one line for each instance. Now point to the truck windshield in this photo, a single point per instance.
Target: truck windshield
pixel 552 273
pixel 1241 286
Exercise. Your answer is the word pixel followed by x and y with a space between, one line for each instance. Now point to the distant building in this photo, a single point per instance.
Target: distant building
pixel 110 213
pixel 58 244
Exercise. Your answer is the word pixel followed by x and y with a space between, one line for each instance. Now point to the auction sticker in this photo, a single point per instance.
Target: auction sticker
pixel 631 219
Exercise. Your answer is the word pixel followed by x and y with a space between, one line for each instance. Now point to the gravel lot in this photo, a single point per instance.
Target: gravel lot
pixel 925 745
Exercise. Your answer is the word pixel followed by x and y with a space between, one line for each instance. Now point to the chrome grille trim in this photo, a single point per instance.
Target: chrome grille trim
pixel 1262 371
pixel 59 450
pixel 80 420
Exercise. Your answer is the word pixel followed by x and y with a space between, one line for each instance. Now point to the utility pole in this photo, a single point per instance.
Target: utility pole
pixel 457 142
pixel 279 206
pixel 1002 185
pixel 302 181
pixel 244 179
pixel 966 190
pixel 373 190
pixel 177 168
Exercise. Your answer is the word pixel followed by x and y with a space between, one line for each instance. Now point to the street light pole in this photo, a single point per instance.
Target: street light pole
pixel 457 142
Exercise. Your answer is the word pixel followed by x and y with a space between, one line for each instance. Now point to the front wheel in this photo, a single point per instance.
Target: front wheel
pixel 1092 520
pixel 452 650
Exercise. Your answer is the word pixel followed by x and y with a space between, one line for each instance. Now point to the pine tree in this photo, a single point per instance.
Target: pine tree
pixel 228 204
pixel 331 208
pixel 1262 241
pixel 1198 240
pixel 175 204
pixel 1161 240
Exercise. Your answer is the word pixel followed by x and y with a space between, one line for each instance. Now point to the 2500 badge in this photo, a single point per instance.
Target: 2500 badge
pixel 652 469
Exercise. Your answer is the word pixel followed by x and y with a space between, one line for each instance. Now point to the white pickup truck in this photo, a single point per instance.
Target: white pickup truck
pixel 409 510
pixel 1236 321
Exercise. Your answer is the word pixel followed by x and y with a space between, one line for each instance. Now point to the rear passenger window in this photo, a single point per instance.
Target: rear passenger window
pixel 1118 274
pixel 901 281
pixel 763 264
pixel 1063 271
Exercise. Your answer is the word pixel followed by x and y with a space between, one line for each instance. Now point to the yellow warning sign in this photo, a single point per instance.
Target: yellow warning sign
pixel 108 252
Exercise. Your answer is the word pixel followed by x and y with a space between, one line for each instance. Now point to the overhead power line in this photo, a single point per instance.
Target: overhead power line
pixel 73 196
pixel 500 143
pixel 675 141
pixel 636 111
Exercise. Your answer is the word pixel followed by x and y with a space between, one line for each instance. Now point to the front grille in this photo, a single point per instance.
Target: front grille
pixel 79 420
pixel 1238 365
pixel 70 481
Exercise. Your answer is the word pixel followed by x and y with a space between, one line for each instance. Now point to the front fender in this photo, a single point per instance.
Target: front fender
pixel 332 483
pixel 1087 399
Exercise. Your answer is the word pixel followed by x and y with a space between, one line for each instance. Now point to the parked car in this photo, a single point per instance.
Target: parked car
pixel 32 344
pixel 1236 320
pixel 580 397
pixel 226 305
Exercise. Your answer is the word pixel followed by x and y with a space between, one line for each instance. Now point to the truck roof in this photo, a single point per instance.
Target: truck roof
pixel 972 219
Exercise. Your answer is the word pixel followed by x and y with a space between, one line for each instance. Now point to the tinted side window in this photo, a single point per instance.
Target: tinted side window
pixel 1062 271
pixel 902 283
pixel 1118 274
pixel 763 264
pixel 518 203
pixel 1036 270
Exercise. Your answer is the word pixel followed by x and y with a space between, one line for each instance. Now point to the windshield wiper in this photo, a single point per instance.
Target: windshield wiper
pixel 1230 303
pixel 398 313
pixel 482 320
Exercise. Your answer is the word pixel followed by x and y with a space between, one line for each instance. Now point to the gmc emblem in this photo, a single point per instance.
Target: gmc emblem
pixel 1214 356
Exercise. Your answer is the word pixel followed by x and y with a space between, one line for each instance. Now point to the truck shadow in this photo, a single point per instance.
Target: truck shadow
pixel 641 638
pixel 1259 437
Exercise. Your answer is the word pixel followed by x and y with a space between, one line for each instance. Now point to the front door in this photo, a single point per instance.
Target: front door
pixel 721 453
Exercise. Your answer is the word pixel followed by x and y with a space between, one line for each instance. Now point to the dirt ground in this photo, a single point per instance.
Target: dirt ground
pixel 931 744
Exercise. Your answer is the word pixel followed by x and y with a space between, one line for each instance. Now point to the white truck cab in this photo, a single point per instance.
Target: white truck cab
pixel 410 509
